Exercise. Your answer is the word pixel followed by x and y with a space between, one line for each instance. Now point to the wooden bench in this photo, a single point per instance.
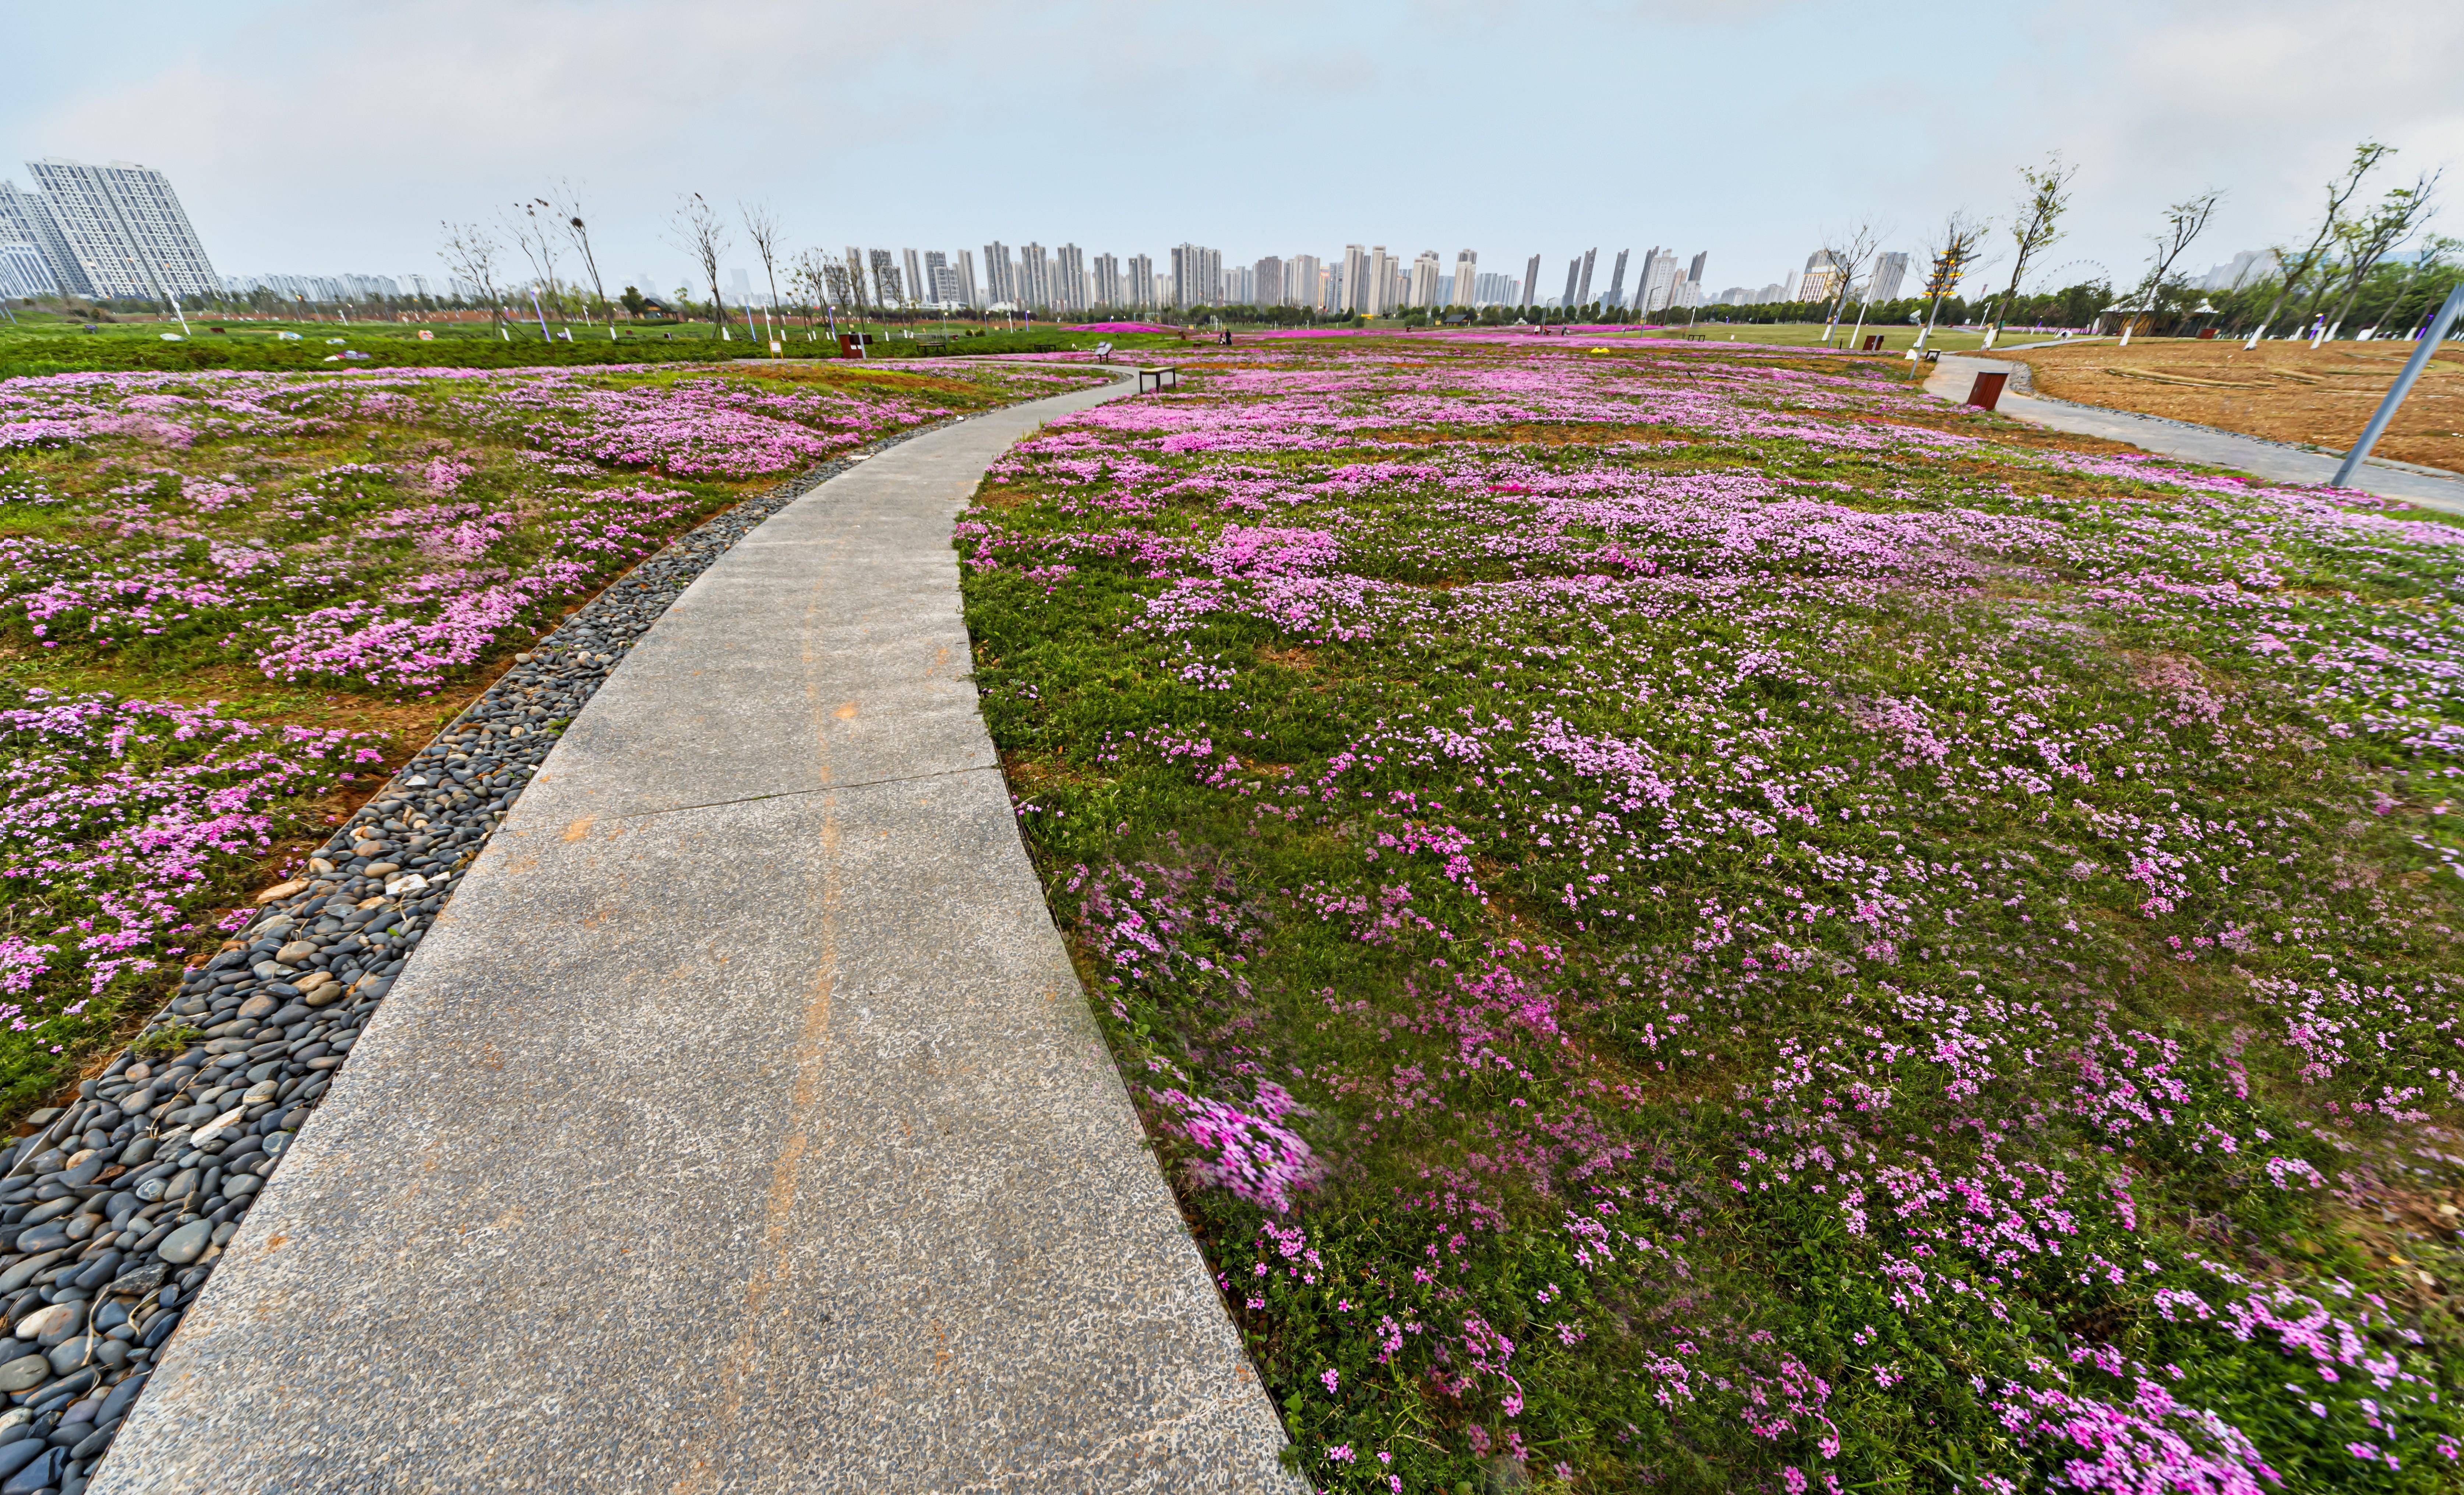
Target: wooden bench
pixel 1167 377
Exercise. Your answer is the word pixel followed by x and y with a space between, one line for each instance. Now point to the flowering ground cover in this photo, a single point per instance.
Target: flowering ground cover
pixel 227 598
pixel 1686 920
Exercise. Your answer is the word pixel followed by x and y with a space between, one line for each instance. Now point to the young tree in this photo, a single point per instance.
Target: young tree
pixel 2183 222
pixel 839 285
pixel 469 257
pixel 2368 241
pixel 2036 227
pixel 568 208
pixel 761 226
pixel 810 278
pixel 2365 157
pixel 1847 249
pixel 699 230
pixel 534 236
pixel 885 275
pixel 2431 257
pixel 1954 249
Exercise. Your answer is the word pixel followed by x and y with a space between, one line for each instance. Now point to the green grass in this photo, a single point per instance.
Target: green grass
pixel 1732 927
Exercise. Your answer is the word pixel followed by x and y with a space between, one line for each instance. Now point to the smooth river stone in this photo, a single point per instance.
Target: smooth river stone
pixel 187 1244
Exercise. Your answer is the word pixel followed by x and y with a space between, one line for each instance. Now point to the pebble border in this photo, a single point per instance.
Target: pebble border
pixel 113 1213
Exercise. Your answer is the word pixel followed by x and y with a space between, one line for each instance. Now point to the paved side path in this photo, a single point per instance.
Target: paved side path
pixel 740 1127
pixel 2272 460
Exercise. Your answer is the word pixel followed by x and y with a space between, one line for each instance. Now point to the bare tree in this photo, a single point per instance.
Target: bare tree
pixel 697 230
pixel 1955 250
pixel 2369 240
pixel 469 257
pixel 761 226
pixel 2365 157
pixel 534 236
pixel 885 279
pixel 1846 251
pixel 841 285
pixel 568 208
pixel 2035 226
pixel 2183 222
pixel 810 278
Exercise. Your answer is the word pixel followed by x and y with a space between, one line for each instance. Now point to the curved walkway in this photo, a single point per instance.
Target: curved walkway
pixel 2272 460
pixel 741 1124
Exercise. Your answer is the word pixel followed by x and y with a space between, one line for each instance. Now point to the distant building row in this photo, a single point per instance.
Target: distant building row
pixel 1366 279
pixel 104 231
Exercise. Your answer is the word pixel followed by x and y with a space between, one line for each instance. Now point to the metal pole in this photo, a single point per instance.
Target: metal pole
pixel 2422 351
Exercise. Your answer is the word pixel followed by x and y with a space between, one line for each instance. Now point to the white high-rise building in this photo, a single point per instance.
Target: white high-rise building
pixel 1531 282
pixel 1659 287
pixel 968 294
pixel 1196 276
pixel 26 218
pixel 1106 272
pixel 1069 279
pixel 125 230
pixel 919 286
pixel 23 270
pixel 1467 277
pixel 1034 277
pixel 998 284
pixel 1141 287
pixel 1822 278
pixel 1425 272
pixel 1355 279
pixel 1890 271
pixel 1266 275
pixel 1304 282
pixel 1376 275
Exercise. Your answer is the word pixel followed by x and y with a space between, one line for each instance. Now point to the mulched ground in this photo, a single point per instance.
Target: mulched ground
pixel 2284 391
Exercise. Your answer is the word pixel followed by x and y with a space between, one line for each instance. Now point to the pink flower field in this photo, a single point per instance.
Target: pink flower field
pixel 1686 919
pixel 192 564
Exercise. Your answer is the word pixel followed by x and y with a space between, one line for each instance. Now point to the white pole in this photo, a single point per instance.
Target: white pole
pixel 2403 386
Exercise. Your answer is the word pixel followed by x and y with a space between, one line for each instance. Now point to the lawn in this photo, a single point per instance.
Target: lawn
pixel 1686 920
pixel 230 602
pixel 43 344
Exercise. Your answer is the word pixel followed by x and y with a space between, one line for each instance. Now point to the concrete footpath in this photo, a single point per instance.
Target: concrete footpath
pixel 2272 460
pixel 740 1126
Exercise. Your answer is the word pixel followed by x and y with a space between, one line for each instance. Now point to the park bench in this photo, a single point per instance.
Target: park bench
pixel 1167 377
pixel 932 343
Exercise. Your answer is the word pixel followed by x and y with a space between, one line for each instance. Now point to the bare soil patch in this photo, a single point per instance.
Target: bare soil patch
pixel 2284 391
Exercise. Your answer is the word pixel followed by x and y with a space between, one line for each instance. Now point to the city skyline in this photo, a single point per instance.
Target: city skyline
pixel 213 96
pixel 118 230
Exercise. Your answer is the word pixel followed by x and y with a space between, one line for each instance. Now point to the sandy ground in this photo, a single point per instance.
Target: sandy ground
pixel 2279 390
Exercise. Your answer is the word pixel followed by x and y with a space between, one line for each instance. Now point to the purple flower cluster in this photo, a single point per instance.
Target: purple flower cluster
pixel 119 820
pixel 243 510
pixel 1772 912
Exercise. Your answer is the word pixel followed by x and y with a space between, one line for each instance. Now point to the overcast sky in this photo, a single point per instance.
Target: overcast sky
pixel 323 138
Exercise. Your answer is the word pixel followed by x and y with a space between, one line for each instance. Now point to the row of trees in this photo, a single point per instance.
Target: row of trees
pixel 2367 265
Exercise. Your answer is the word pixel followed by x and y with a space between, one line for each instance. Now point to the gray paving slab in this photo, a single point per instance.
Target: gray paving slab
pixel 740 1126
pixel 2274 461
